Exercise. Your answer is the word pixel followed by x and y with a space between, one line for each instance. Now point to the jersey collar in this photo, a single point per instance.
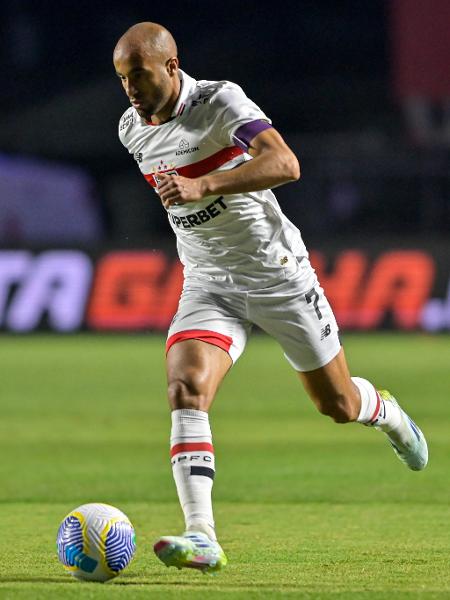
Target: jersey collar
pixel 187 84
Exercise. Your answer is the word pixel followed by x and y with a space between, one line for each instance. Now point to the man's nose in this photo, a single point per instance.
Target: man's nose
pixel 130 89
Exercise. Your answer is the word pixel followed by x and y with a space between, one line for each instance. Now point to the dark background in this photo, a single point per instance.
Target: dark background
pixel 326 73
pixel 310 64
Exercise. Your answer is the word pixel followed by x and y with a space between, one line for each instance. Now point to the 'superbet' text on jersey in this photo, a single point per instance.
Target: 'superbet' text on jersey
pixel 242 239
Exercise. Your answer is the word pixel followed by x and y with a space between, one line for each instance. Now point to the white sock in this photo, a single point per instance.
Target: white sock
pixel 192 456
pixel 374 410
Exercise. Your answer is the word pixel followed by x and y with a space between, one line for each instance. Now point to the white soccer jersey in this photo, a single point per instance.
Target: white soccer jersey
pixel 241 239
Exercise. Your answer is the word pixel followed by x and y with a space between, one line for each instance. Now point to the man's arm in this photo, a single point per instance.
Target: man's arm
pixel 273 164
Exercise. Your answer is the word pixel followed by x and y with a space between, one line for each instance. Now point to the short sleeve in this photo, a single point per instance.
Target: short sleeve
pixel 232 111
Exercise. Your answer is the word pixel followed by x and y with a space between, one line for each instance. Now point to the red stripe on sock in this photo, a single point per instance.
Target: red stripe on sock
pixel 377 409
pixel 191 447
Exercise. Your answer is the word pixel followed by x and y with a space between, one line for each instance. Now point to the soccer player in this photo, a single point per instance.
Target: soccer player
pixel 212 156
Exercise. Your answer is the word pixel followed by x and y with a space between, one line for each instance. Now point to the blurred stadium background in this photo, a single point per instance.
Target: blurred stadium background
pixel 361 91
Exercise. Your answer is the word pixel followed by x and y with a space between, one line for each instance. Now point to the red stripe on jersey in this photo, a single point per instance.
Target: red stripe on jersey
pixel 377 409
pixel 210 337
pixel 191 447
pixel 202 167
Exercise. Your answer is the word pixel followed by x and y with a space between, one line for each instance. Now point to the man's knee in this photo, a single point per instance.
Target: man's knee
pixel 187 391
pixel 342 408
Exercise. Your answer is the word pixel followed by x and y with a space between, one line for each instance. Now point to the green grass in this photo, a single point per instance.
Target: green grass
pixel 304 508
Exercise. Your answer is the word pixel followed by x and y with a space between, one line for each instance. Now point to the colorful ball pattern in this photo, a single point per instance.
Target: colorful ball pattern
pixel 95 542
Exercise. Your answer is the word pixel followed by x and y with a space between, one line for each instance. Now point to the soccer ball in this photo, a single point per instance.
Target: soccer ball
pixel 95 542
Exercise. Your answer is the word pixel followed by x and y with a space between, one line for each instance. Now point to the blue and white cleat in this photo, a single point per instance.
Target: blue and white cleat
pixel 407 440
pixel 192 550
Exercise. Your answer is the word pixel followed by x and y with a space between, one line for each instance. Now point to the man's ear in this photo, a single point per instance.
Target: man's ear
pixel 172 65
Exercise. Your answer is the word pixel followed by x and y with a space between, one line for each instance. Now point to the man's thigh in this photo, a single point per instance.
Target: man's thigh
pixel 215 318
pixel 195 370
pixel 298 315
pixel 207 335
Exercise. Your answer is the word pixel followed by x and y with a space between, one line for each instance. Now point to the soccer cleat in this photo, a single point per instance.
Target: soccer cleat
pixel 193 550
pixel 407 440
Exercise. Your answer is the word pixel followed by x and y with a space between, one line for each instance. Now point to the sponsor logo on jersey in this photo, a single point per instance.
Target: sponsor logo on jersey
pixel 137 157
pixel 126 121
pixel 211 211
pixel 184 148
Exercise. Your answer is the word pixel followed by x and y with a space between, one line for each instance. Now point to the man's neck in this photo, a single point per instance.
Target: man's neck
pixel 165 114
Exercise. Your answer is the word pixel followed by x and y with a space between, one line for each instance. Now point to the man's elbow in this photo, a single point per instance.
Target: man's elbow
pixel 291 167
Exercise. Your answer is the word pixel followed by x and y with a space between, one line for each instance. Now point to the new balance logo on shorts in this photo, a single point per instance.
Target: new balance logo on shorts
pixel 325 332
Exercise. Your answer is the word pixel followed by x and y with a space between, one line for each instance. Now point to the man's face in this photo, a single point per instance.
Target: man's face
pixel 146 82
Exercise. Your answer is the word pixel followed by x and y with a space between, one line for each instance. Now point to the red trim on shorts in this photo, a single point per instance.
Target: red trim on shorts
pixel 191 447
pixel 377 409
pixel 204 335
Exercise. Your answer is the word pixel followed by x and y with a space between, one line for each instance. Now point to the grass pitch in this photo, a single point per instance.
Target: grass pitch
pixel 304 508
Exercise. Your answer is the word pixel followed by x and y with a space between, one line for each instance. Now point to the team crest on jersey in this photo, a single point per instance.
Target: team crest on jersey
pixel 158 179
pixel 162 167
pixel 184 148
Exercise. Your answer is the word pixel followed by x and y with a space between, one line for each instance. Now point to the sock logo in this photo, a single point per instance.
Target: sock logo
pixel 204 458
pixel 200 453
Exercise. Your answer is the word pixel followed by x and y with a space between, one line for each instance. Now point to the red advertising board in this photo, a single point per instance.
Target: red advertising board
pixel 72 290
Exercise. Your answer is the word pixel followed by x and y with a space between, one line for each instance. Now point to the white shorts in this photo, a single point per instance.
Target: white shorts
pixel 295 312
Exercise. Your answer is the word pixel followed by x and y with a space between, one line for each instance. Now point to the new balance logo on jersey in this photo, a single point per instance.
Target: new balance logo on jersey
pixel 201 99
pixel 211 211
pixel 184 148
pixel 137 157
pixel 325 332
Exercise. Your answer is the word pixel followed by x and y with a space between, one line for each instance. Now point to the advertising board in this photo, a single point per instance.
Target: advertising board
pixel 65 290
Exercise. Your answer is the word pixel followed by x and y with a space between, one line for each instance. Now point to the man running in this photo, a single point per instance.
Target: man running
pixel 212 156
